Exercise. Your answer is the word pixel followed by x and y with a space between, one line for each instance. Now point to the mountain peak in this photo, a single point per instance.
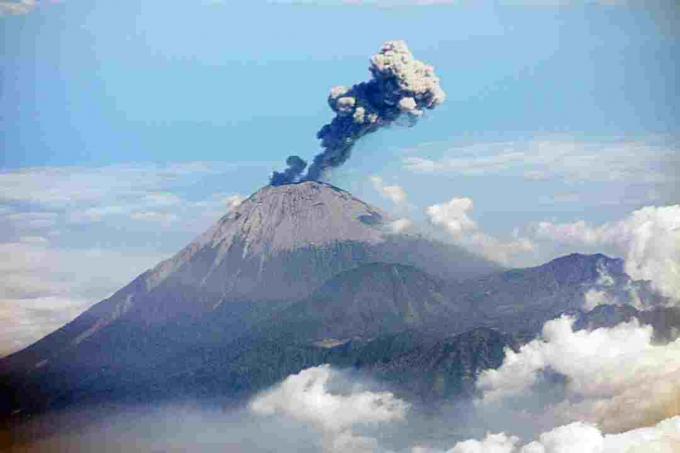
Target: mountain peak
pixel 308 214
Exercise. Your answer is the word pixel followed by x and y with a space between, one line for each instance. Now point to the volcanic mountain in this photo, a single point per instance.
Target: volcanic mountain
pixel 298 275
pixel 278 246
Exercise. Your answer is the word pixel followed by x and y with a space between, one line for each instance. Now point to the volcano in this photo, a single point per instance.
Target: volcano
pixel 297 275
pixel 278 246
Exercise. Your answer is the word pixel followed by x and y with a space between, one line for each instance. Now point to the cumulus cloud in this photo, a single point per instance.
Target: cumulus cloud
pixel 581 437
pixel 493 443
pixel 395 193
pixel 455 217
pixel 617 378
pixel 307 397
pixel 648 239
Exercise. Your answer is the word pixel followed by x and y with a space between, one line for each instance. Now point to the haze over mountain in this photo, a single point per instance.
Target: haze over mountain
pixel 296 276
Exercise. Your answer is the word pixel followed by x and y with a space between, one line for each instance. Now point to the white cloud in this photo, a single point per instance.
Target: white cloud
pixel 40 198
pixel 43 287
pixel 400 225
pixel 69 234
pixel 306 397
pixel 27 320
pixel 493 443
pixel 572 160
pixel 57 187
pixel 648 239
pixel 396 194
pixel 580 437
pixel 154 216
pixel 601 293
pixel 616 377
pixel 454 216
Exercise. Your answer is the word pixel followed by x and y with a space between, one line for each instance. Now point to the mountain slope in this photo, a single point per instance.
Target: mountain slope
pixel 297 276
pixel 279 245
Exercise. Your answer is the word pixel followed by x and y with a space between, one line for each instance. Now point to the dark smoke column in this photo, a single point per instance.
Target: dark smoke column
pixel 400 85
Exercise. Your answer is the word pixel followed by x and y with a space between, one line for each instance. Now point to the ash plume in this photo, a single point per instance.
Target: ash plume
pixel 296 165
pixel 400 85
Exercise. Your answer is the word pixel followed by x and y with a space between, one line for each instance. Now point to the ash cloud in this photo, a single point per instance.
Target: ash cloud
pixel 400 86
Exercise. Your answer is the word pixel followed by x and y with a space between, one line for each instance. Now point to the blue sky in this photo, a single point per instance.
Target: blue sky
pixel 101 82
pixel 126 128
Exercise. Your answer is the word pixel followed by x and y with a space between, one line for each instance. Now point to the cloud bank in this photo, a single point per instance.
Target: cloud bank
pixel 580 437
pixel 616 377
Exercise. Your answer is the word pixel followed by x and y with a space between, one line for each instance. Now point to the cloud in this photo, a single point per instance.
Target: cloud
pixel 32 220
pixel 43 287
pixel 617 378
pixel 572 160
pixel 601 293
pixel 454 217
pixel 58 187
pixel 396 194
pixel 27 320
pixel 400 90
pixel 233 201
pixel 17 8
pixel 581 438
pixel 154 216
pixel 307 397
pixel 400 225
pixel 648 239
pixel 37 198
pixel 493 443
pixel 72 235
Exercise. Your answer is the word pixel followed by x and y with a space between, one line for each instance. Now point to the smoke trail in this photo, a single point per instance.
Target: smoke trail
pixel 296 166
pixel 400 84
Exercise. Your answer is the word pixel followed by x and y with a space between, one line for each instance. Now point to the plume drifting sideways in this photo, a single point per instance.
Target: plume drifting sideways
pixel 400 86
